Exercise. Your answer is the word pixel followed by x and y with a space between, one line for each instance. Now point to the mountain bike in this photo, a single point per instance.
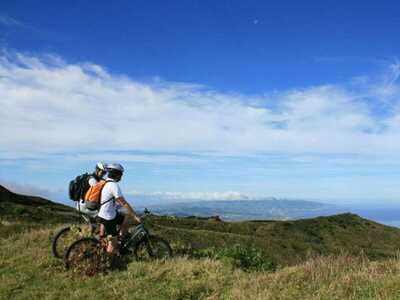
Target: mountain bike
pixel 67 235
pixel 88 255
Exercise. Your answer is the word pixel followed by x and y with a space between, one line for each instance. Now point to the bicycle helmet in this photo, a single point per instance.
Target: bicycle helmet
pixel 115 167
pixel 101 166
pixel 115 171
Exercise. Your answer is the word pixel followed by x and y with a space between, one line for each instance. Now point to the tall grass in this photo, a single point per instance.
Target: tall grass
pixel 28 271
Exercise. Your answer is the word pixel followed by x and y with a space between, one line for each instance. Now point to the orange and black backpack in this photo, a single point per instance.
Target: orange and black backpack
pixel 93 195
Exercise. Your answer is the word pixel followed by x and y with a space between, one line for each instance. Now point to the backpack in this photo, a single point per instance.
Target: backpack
pixel 93 195
pixel 79 186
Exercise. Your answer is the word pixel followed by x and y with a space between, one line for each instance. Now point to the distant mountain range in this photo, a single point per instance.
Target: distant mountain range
pixel 242 208
pixel 271 208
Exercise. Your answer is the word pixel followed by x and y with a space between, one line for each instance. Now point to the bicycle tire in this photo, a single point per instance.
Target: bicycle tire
pixel 57 240
pixel 152 245
pixel 85 256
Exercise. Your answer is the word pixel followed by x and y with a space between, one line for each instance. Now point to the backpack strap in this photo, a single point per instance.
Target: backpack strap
pixel 106 201
pixel 110 198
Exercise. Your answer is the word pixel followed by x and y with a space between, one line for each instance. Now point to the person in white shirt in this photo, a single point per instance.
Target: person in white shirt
pixel 111 198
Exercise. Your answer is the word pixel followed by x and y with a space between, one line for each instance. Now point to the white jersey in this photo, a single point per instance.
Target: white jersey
pixel 110 192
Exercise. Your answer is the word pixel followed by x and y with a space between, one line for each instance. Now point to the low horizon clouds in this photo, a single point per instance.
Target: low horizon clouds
pixel 193 196
pixel 52 107
pixel 61 195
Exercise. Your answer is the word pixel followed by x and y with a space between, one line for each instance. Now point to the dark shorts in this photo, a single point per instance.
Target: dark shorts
pixel 110 226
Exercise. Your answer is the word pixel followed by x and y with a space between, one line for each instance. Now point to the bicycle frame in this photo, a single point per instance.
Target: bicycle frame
pixel 90 221
pixel 139 233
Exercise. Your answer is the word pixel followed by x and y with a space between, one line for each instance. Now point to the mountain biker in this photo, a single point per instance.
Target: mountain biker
pixel 108 215
pixel 96 176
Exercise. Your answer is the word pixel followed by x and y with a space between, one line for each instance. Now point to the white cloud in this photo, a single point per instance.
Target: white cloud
pixel 162 197
pixel 9 21
pixel 192 196
pixel 50 106
pixel 128 157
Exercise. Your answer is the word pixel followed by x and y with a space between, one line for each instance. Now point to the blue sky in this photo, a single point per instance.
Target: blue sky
pixel 290 99
pixel 245 46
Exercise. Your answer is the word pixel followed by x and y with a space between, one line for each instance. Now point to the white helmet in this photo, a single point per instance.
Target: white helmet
pixel 101 166
pixel 115 167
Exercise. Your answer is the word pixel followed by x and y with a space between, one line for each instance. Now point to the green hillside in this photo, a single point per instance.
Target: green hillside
pixel 337 257
pixel 21 212
pixel 283 242
pixel 31 209
pixel 287 242
pixel 28 271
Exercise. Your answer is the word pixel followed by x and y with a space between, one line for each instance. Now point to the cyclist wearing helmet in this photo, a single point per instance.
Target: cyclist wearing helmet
pixel 95 177
pixel 111 197
pixel 98 174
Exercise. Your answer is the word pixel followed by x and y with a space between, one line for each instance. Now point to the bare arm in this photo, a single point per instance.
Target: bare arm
pixel 125 204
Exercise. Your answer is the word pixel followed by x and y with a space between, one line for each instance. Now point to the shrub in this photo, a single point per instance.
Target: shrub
pixel 245 258
pixel 19 210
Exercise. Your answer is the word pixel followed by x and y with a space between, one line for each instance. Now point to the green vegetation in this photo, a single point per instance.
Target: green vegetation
pixel 33 210
pixel 19 213
pixel 247 259
pixel 336 257
pixel 28 271
pixel 286 242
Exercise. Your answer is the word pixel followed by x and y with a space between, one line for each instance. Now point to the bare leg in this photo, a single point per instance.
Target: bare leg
pixel 112 245
pixel 102 230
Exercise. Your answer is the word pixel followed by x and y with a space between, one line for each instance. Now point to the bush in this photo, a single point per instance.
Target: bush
pixel 18 210
pixel 245 258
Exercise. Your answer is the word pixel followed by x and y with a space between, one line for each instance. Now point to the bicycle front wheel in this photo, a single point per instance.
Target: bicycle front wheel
pixel 153 247
pixel 85 256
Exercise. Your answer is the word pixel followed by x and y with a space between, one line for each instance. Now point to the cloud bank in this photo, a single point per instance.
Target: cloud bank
pixel 192 196
pixel 50 107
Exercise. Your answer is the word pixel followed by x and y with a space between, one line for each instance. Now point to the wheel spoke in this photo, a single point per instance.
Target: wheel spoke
pixel 85 257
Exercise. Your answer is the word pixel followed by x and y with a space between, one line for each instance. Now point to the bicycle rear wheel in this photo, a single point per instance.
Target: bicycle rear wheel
pixel 152 247
pixel 86 257
pixel 63 239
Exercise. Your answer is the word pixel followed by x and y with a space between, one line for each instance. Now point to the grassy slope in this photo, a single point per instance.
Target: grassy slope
pixel 31 209
pixel 21 212
pixel 27 271
pixel 289 242
pixel 284 242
